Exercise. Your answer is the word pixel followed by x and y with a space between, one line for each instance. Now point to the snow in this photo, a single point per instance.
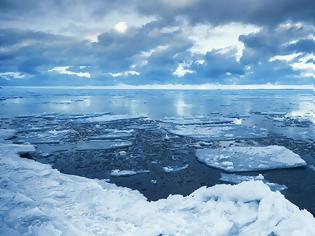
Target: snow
pixel 249 158
pixel 39 200
pixel 236 179
pixel 127 172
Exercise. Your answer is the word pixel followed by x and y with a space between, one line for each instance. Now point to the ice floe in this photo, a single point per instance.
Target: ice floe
pixel 84 145
pixel 109 117
pixel 117 172
pixel 7 133
pixel 249 158
pixel 48 136
pixel 302 115
pixel 39 200
pixel 168 169
pixel 197 120
pixel 209 132
pixel 113 134
pixel 236 179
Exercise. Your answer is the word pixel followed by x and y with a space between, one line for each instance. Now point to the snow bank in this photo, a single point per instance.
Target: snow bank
pixel 234 159
pixel 38 200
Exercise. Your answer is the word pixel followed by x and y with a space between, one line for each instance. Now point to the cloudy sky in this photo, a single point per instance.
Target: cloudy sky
pixel 106 42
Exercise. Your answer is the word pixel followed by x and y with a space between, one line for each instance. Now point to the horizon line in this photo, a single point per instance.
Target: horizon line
pixel 267 86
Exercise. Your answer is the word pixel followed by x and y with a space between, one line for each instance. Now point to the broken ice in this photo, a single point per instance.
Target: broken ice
pixel 168 169
pixel 207 132
pixel 85 145
pixel 117 172
pixel 109 117
pixel 236 179
pixel 236 159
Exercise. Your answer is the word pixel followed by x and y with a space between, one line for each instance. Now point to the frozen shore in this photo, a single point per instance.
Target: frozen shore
pixel 39 200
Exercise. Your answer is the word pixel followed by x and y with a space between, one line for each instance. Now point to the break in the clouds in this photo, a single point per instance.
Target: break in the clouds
pixel 77 42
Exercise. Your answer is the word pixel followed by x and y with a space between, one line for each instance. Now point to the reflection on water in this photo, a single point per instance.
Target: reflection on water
pixel 156 104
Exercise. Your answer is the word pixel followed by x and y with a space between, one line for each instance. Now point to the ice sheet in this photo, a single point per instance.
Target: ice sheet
pixel 39 200
pixel 235 159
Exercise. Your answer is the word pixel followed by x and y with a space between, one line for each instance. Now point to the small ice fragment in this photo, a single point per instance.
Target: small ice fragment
pixel 237 121
pixel 122 153
pixel 117 173
pixel 168 169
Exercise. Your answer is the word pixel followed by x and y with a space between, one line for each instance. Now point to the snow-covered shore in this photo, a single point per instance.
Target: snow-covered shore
pixel 39 200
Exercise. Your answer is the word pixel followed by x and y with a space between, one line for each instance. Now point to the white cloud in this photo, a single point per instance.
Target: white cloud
pixel 304 63
pixel 64 70
pixel 223 37
pixel 11 75
pixel 286 58
pixel 121 27
pixel 182 69
pixel 125 73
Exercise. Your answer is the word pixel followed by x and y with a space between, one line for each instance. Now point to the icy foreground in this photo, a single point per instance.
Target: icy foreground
pixel 39 200
pixel 235 159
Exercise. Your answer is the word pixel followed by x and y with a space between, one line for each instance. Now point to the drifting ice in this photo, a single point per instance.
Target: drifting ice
pixel 39 200
pixel 235 159
pixel 236 179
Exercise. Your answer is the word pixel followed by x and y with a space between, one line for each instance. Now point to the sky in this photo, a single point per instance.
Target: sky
pixel 190 42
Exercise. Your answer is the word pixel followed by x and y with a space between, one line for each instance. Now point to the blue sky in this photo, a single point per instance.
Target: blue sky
pixel 77 42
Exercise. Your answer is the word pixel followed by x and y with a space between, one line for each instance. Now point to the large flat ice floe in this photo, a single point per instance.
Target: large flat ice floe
pixel 217 132
pixel 109 117
pixel 84 145
pixel 235 159
pixel 39 200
